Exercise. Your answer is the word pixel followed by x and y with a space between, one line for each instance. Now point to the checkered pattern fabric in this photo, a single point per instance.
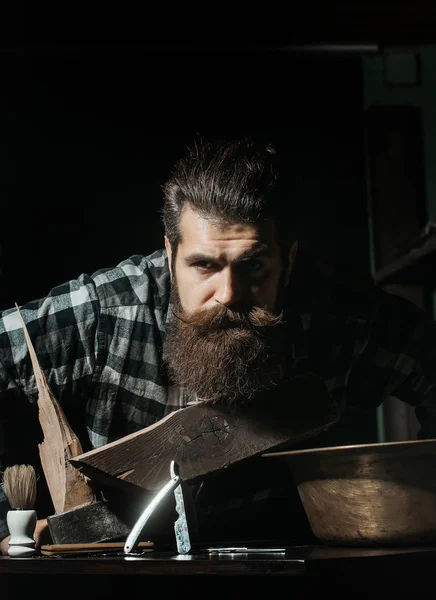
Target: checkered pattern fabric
pixel 100 338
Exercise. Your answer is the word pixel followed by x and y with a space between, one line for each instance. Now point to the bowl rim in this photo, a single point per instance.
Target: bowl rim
pixel 333 449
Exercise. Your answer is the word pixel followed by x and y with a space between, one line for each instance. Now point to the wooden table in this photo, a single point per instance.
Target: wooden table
pixel 318 569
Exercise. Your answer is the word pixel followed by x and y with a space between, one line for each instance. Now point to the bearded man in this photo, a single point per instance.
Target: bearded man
pixel 226 312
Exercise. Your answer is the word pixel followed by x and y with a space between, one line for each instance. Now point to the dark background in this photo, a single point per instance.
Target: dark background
pixel 88 139
pixel 97 103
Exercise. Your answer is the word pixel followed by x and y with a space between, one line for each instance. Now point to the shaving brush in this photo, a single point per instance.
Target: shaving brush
pixel 19 483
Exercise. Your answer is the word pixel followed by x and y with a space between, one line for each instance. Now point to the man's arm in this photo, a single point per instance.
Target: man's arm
pixel 398 358
pixel 63 328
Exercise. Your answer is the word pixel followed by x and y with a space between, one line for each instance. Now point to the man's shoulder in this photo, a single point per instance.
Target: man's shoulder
pixel 137 279
pixel 333 287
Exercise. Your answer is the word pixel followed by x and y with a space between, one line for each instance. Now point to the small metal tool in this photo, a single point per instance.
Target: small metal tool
pixel 180 526
pixel 245 550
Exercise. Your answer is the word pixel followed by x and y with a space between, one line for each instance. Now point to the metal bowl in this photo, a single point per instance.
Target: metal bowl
pixel 368 494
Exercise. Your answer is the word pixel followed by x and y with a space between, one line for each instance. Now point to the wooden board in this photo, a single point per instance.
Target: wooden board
pixel 368 565
pixel 203 438
pixel 56 549
pixel 67 486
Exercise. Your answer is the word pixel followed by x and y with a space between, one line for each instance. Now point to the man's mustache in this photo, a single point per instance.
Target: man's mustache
pixel 220 317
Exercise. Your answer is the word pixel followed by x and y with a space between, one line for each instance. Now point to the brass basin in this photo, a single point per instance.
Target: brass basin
pixel 368 494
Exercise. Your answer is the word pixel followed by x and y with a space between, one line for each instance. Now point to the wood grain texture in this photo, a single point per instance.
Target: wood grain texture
pixel 68 549
pixel 203 438
pixel 68 487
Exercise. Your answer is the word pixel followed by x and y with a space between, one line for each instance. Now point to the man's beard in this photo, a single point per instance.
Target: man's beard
pixel 222 355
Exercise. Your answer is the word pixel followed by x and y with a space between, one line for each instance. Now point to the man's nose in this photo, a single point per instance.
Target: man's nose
pixel 230 288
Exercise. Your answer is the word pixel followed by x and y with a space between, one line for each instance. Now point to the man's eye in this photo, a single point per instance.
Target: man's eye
pixel 203 265
pixel 254 266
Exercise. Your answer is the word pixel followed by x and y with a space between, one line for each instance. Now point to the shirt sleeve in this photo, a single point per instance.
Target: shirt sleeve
pixel 63 329
pixel 398 358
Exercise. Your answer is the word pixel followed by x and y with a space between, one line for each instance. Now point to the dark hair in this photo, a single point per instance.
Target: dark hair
pixel 236 181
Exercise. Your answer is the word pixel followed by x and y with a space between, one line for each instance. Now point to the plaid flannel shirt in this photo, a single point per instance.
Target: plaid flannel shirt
pixel 100 338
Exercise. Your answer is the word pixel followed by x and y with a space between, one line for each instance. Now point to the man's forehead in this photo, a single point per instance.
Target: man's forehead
pixel 196 228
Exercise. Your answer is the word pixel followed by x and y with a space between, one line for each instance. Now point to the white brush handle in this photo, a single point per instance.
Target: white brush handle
pixel 21 524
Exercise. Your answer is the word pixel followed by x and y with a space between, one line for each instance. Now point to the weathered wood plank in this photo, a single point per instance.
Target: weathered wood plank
pixel 203 438
pixel 67 486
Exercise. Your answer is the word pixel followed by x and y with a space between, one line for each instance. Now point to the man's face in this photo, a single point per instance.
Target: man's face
pixel 225 342
pixel 236 265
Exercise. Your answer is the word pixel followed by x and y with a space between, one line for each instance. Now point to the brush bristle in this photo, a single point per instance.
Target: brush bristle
pixel 20 486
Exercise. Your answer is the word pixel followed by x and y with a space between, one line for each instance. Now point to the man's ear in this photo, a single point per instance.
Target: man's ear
pixel 170 255
pixel 291 260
